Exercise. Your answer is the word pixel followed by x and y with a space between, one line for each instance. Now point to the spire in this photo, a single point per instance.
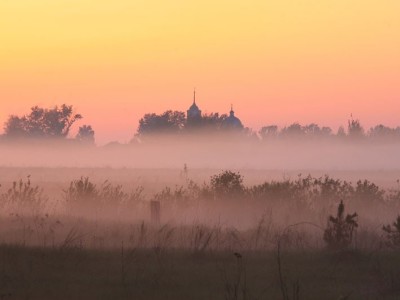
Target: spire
pixel 194 96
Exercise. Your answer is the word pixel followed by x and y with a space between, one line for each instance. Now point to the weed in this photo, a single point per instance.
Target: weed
pixel 339 233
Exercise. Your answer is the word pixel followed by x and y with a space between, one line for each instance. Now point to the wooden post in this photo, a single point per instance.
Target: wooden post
pixel 155 209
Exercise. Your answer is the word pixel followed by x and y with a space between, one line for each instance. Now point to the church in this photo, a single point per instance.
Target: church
pixel 194 117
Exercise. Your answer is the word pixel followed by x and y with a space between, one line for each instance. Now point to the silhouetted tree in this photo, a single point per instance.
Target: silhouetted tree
pixel 168 122
pixel 339 233
pixel 268 132
pixel 85 134
pixel 293 130
pixel 311 129
pixel 42 123
pixel 383 132
pixel 212 121
pixel 367 193
pixel 326 131
pixel 341 132
pixel 15 127
pixel 393 234
pixel 355 130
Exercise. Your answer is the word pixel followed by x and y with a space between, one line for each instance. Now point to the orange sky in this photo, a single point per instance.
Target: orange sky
pixel 277 61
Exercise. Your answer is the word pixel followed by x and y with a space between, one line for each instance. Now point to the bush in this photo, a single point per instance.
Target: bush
pixel 393 234
pixel 22 197
pixel 339 233
pixel 227 184
pixel 81 193
pixel 367 193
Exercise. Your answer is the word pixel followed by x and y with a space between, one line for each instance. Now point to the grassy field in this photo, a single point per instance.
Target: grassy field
pixel 76 273
pixel 64 236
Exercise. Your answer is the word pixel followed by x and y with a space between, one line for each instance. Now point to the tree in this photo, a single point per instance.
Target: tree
pixel 168 122
pixel 268 132
pixel 326 131
pixel 55 122
pixel 85 134
pixel 212 121
pixel 393 234
pixel 312 129
pixel 355 130
pixel 341 132
pixel 339 232
pixel 382 132
pixel 227 184
pixel 14 127
pixel 293 130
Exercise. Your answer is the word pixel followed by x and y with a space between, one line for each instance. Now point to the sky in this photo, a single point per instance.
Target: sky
pixel 277 62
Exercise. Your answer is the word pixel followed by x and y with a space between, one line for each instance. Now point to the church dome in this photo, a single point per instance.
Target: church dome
pixel 232 122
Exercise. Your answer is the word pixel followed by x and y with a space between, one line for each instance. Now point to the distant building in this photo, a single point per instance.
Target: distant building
pixel 195 119
pixel 194 113
pixel 232 122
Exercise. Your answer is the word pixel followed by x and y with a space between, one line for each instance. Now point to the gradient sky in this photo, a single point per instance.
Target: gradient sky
pixel 277 61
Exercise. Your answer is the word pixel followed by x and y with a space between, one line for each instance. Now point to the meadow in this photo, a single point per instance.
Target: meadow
pixel 73 233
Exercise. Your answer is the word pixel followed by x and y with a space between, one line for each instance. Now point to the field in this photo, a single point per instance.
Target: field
pixel 73 233
pixel 49 273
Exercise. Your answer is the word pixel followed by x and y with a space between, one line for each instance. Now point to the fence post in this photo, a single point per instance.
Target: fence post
pixel 155 209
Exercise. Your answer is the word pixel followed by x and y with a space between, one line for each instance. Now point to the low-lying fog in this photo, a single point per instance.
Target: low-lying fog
pixel 209 153
pixel 123 179
pixel 156 164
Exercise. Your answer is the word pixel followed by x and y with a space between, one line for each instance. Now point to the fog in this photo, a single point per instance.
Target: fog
pixel 283 182
pixel 214 152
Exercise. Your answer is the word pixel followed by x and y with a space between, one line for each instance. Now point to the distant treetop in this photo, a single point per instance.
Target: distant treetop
pixel 53 122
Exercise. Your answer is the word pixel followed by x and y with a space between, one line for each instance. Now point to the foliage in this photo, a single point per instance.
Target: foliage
pixel 168 122
pixel 341 132
pixel 295 130
pixel 393 234
pixel 227 184
pixel 339 233
pixel 303 191
pixel 175 122
pixel 384 132
pixel 212 121
pixel 24 198
pixel 81 192
pixel 268 132
pixel 42 123
pixel 181 195
pixel 355 130
pixel 86 134
pixel 367 192
pixel 84 194
pixel 273 190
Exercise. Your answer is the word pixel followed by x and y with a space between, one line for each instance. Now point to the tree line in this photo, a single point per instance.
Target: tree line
pixel 175 122
pixel 355 131
pixel 56 123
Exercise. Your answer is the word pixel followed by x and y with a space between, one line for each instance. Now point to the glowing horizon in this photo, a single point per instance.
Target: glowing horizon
pixel 278 62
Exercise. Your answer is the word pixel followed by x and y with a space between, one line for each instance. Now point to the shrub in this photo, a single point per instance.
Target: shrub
pixel 112 195
pixel 227 184
pixel 81 193
pixel 366 193
pixel 393 234
pixel 22 197
pixel 339 232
